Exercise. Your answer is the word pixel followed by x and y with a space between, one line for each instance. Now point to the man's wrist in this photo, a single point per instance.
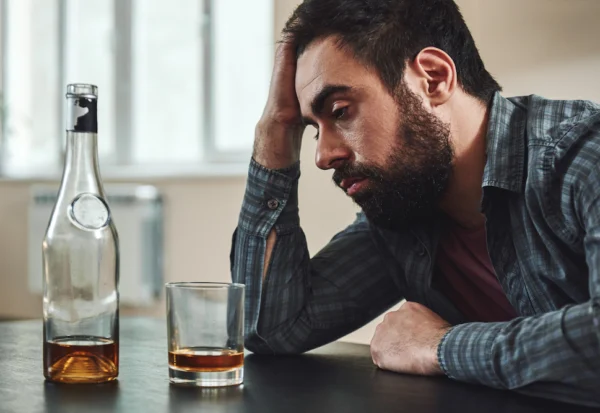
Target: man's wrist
pixel 276 145
pixel 437 341
pixel 439 351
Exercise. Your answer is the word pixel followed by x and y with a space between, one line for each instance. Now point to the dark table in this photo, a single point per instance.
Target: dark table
pixel 335 378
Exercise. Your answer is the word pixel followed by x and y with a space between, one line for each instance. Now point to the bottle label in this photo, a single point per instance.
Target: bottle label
pixel 82 114
pixel 89 212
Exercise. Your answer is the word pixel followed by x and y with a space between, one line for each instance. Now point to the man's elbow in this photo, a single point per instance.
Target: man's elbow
pixel 258 345
pixel 258 348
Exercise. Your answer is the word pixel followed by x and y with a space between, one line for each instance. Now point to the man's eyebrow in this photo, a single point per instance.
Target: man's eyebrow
pixel 318 103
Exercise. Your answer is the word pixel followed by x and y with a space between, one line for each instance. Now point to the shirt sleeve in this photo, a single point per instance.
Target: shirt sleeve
pixel 303 302
pixel 554 355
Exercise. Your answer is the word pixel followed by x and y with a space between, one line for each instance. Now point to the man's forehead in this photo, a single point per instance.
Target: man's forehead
pixel 324 62
pixel 320 59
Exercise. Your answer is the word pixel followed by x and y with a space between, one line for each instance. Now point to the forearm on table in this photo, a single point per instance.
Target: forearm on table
pixel 554 355
pixel 303 303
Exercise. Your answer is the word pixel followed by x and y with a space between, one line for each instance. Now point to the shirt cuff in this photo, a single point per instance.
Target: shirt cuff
pixel 466 353
pixel 271 199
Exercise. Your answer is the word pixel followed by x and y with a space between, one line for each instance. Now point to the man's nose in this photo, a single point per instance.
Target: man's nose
pixel 331 151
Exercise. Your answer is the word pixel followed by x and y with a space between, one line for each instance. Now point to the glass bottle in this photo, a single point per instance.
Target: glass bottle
pixel 81 259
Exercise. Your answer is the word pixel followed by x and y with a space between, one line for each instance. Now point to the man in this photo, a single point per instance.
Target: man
pixel 482 212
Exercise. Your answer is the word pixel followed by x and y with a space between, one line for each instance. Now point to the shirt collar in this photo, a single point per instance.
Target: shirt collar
pixel 505 149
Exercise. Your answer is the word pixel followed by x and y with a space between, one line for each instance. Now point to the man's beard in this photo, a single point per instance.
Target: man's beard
pixel 408 190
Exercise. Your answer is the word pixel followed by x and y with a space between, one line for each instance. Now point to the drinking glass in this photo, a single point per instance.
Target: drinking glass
pixel 205 327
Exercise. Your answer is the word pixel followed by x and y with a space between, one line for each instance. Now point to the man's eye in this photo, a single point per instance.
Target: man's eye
pixel 339 113
pixel 317 135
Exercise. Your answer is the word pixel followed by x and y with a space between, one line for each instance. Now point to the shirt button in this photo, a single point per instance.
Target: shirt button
pixel 273 204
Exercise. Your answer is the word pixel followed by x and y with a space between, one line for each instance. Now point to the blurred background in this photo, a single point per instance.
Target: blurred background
pixel 181 85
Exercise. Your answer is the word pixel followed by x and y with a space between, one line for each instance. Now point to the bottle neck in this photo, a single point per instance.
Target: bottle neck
pixel 81 172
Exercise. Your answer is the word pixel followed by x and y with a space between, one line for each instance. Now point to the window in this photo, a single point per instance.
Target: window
pixel 181 84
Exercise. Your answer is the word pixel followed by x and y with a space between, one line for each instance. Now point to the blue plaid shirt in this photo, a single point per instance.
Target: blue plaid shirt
pixel 541 198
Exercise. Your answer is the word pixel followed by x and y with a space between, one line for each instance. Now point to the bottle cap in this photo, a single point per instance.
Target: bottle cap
pixel 82 89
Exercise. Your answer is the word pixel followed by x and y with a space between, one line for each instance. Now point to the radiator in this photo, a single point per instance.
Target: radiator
pixel 137 211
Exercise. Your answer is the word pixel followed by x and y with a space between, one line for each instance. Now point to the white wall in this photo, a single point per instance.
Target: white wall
pixel 547 47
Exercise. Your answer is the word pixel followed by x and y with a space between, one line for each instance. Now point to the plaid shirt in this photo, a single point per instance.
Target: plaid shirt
pixel 541 198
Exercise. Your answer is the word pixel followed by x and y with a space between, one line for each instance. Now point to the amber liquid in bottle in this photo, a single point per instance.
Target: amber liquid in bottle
pixel 81 360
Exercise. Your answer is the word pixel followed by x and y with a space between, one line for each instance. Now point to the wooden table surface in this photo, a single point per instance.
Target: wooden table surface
pixel 339 377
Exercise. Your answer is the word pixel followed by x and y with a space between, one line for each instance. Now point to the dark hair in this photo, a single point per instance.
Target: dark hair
pixel 384 34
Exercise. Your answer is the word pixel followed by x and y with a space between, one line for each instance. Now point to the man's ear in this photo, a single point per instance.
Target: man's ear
pixel 433 74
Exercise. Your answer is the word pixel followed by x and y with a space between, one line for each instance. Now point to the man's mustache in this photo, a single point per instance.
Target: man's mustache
pixel 355 170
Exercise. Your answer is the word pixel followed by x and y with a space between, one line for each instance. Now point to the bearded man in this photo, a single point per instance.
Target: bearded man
pixel 483 212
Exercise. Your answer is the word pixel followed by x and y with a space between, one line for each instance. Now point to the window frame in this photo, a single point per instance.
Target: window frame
pixel 212 161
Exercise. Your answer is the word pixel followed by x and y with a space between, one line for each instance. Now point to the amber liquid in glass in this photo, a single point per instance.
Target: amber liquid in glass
pixel 206 359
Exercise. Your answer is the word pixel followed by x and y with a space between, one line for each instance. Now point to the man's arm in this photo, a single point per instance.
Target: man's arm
pixel 554 355
pixel 278 136
pixel 303 303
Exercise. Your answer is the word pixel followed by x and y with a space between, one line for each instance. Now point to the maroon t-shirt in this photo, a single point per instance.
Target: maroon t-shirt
pixel 466 276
